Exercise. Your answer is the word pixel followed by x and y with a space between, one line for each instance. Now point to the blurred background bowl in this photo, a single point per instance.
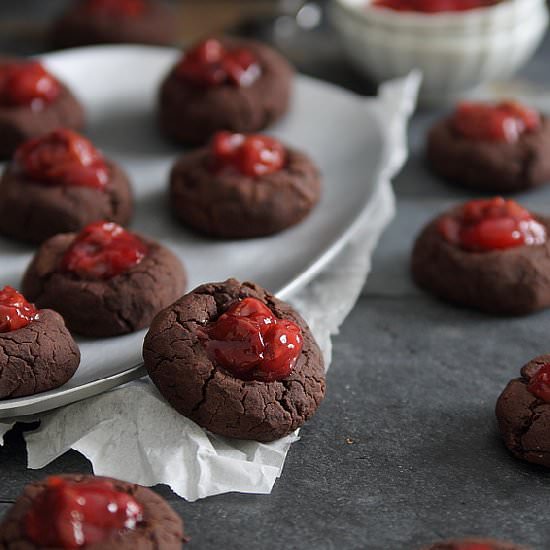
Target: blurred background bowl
pixel 456 52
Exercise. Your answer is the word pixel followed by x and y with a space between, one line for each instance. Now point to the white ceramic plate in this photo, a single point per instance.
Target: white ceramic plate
pixel 118 85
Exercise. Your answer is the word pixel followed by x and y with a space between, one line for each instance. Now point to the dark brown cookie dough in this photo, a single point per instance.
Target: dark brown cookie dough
pixel 463 544
pixel 19 124
pixel 524 419
pixel 216 400
pixel 514 281
pixel 161 528
pixel 231 205
pixel 191 115
pixel 38 357
pixel 490 166
pixel 76 27
pixel 32 211
pixel 99 308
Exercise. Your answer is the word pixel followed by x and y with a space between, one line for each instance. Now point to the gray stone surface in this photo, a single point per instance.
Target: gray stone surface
pixel 405 448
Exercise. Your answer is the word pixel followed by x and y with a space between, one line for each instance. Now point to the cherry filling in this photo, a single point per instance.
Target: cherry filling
pixel 252 155
pixel 63 157
pixel 117 8
pixel 72 515
pixel 251 343
pixel 433 6
pixel 211 64
pixel 15 311
pixel 27 84
pixel 491 224
pixel 103 250
pixel 539 384
pixel 503 122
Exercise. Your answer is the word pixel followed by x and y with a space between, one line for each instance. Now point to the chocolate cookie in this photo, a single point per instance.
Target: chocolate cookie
pixel 523 413
pixel 229 204
pixel 21 122
pixel 38 357
pixel 159 526
pixel 104 305
pixel 140 22
pixel 32 211
pixel 177 359
pixel 191 113
pixel 490 166
pixel 474 544
pixel 510 281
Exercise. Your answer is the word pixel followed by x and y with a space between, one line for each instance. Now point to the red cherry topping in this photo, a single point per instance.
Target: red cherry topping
pixel 15 311
pixel 236 343
pixel 27 84
pixel 491 224
pixel 250 342
pixel 103 250
pixel 63 157
pixel 256 311
pixel 503 122
pixel 115 8
pixel 67 514
pixel 283 343
pixel 253 155
pixel 539 384
pixel 212 64
pixel 433 6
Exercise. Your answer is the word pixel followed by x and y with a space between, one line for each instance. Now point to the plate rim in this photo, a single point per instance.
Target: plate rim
pixel 39 403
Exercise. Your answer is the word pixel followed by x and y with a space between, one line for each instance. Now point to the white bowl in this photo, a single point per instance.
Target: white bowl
pixel 455 51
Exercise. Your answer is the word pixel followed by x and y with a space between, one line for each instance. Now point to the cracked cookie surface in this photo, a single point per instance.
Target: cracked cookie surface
pixel 231 205
pixel 38 357
pixel 161 528
pixel 177 362
pixel 191 114
pixel 99 308
pixel 524 419
pixel 33 212
pixel 515 281
pixel 490 166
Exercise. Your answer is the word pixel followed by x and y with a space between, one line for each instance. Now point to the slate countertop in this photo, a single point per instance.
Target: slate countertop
pixel 405 449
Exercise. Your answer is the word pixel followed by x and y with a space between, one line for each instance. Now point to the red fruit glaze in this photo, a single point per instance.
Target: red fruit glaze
pixel 236 343
pixel 256 311
pixel 211 64
pixel 103 250
pixel 72 515
pixel 251 343
pixel 27 84
pixel 433 6
pixel 283 344
pixel 253 155
pixel 539 385
pixel 491 224
pixel 63 157
pixel 116 8
pixel 503 122
pixel 15 311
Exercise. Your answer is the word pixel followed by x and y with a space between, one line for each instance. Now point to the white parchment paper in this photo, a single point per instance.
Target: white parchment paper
pixel 133 434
